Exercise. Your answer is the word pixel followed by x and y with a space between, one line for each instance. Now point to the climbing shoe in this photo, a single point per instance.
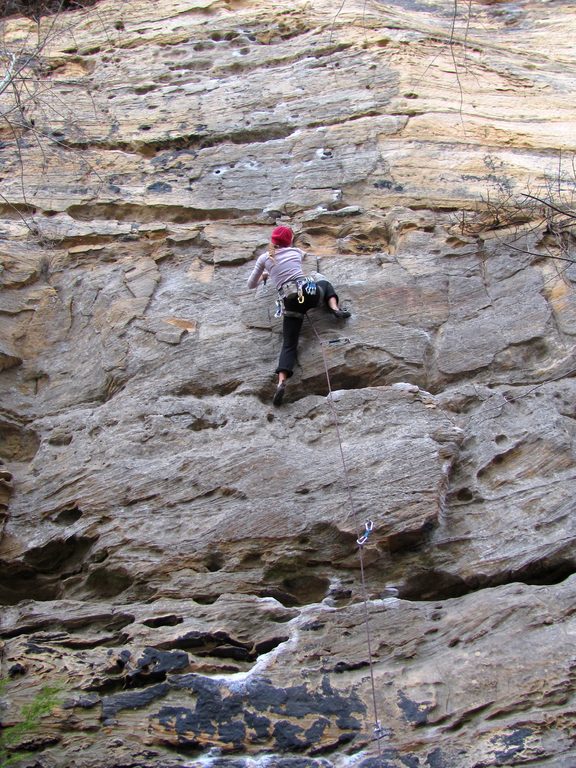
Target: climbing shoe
pixel 342 314
pixel 279 394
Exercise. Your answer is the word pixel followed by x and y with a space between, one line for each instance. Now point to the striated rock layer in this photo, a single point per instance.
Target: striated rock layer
pixel 179 558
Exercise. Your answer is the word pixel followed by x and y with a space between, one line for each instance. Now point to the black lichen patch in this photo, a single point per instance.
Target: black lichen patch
pixel 232 733
pixel 300 762
pixel 159 186
pixel 187 725
pixel 315 734
pixel 16 670
pixel 389 185
pixel 274 761
pixel 510 745
pixel 289 737
pixel 391 758
pixel 154 664
pixel 260 726
pixel 436 759
pixel 85 701
pixel 291 719
pixel 414 712
pixel 377 762
pixel 132 700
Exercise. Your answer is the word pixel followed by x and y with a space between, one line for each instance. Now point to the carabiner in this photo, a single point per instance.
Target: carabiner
pixel 369 527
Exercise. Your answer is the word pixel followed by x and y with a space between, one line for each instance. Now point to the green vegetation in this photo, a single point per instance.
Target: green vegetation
pixel 42 704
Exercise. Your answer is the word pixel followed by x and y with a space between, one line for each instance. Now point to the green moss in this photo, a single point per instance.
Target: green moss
pixel 42 704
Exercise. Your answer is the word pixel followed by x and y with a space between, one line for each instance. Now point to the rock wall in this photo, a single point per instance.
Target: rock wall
pixel 179 557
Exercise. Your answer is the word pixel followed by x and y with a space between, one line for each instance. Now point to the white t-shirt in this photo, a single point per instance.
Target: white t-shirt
pixel 285 266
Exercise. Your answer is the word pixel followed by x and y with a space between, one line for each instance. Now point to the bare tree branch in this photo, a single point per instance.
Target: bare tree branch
pixel 548 204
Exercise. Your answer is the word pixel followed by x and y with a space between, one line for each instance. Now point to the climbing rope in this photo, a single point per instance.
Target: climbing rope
pixel 362 538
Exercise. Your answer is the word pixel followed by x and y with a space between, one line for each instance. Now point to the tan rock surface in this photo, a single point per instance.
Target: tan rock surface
pixel 177 555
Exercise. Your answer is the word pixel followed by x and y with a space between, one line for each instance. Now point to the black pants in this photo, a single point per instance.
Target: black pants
pixel 292 323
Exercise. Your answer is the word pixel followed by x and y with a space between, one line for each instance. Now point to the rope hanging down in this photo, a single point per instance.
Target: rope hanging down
pixel 362 539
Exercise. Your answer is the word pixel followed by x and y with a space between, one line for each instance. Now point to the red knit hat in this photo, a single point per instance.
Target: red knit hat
pixel 282 236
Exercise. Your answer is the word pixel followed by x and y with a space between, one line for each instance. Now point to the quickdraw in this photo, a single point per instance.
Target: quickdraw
pixel 369 527
pixel 379 732
pixel 335 342
pixel 308 286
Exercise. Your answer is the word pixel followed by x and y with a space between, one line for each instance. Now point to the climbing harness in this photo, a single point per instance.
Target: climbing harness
pixel 361 541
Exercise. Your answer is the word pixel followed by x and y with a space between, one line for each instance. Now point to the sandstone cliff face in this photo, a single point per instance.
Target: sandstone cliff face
pixel 177 555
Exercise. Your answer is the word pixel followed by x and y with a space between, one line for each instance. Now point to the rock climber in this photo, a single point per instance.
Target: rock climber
pixel 296 295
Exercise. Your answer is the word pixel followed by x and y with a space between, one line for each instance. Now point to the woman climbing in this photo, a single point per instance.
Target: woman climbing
pixel 296 295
